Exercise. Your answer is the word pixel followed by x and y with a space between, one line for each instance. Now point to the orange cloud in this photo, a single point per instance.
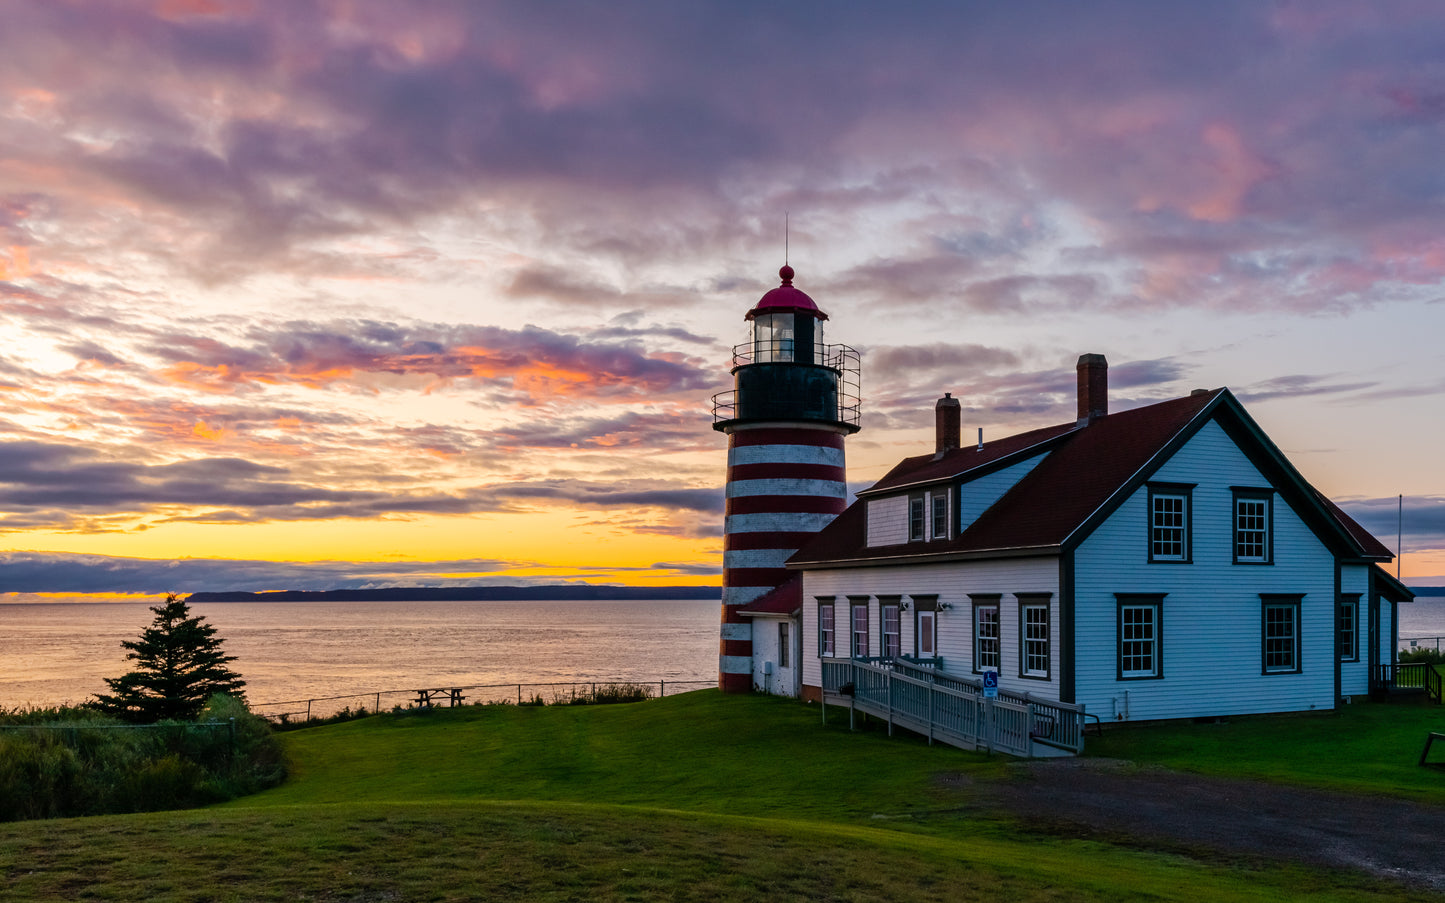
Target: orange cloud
pixel 18 266
pixel 204 431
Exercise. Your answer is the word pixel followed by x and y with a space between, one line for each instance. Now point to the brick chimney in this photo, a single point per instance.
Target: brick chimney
pixel 947 424
pixel 1093 388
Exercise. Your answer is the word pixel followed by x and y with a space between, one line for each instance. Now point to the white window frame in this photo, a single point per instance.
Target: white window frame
pixel 1170 522
pixel 858 639
pixel 1349 628
pixel 1034 627
pixel 827 629
pixel 939 514
pixel 1140 637
pixel 1280 634
pixel 1253 526
pixel 987 634
pixel 890 615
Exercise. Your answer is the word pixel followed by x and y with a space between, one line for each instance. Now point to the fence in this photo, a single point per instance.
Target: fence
pixel 1408 643
pixel 556 693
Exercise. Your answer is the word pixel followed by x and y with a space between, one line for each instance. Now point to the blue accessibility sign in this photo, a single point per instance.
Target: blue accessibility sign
pixel 990 684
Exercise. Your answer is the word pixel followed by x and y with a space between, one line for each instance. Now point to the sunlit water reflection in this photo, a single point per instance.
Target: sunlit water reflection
pixel 61 652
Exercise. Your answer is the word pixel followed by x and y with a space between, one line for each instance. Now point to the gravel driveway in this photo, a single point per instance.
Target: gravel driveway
pixel 1156 808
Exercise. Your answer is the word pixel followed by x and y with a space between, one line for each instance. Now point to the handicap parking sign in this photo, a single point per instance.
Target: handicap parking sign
pixel 990 684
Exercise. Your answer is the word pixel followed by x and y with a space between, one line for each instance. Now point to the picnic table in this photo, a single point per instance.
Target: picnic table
pixel 430 697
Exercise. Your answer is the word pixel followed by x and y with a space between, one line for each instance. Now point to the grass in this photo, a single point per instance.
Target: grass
pixel 696 797
pixel 1362 748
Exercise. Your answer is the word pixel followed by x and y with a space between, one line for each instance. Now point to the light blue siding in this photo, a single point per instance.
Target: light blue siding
pixel 1355 676
pixel 1211 615
pixel 979 495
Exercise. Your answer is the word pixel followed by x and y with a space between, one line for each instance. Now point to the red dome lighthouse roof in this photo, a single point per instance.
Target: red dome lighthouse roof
pixel 785 298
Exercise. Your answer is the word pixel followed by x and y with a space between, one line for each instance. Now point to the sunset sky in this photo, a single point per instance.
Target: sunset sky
pixel 311 295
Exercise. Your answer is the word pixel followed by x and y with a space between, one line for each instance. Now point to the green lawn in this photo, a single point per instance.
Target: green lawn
pixel 697 797
pixel 1367 747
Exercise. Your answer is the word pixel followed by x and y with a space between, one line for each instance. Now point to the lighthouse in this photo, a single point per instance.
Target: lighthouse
pixel 794 400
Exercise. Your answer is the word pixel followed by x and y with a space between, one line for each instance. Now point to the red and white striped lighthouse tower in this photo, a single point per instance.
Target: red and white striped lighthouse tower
pixel 793 402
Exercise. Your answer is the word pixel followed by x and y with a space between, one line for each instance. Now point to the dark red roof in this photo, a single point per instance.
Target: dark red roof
pixel 1085 472
pixel 1369 543
pixel 784 298
pixel 784 600
pixel 956 461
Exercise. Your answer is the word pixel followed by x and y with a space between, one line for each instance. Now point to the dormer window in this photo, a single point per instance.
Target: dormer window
pixel 915 518
pixel 939 500
pixel 773 338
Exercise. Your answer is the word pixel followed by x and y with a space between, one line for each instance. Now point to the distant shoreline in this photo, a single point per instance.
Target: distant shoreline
pixel 563 592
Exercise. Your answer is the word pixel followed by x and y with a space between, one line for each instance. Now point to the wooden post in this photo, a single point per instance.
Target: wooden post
pixel 932 689
pixel 889 688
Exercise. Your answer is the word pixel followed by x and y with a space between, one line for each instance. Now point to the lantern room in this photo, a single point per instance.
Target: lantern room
pixel 784 372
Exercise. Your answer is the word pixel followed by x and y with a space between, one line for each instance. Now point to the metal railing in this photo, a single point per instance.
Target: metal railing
pixel 953 708
pixel 531 692
pixel 841 358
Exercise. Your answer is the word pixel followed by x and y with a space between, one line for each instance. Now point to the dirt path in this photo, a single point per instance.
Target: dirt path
pixel 1160 808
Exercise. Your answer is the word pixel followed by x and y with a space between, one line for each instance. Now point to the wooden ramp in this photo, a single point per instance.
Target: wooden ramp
pixel 952 709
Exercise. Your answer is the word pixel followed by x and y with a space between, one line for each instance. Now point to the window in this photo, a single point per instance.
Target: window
pixel 773 337
pixel 915 519
pixel 1350 628
pixel 860 627
pixel 1169 522
pixel 940 515
pixel 892 635
pixel 985 631
pixel 1280 633
pixel 1033 636
pixel 1141 631
pixel 1253 520
pixel 782 644
pixel 825 626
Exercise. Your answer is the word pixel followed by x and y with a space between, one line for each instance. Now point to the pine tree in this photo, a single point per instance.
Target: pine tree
pixel 179 666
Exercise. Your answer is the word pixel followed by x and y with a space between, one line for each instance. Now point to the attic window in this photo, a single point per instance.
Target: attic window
pixel 915 518
pixel 1169 522
pixel 1253 520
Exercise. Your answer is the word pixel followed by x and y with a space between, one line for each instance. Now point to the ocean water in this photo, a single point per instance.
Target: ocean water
pixel 1424 618
pixel 60 653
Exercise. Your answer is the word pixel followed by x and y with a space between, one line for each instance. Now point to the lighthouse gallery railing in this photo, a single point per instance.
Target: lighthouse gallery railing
pixel 842 359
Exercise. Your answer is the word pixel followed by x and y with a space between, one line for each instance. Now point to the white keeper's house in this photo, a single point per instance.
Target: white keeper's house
pixel 1165 561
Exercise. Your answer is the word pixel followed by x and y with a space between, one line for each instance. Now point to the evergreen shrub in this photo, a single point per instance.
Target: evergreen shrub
pixel 60 762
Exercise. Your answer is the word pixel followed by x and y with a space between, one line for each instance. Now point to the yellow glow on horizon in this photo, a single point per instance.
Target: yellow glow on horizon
pixel 566 544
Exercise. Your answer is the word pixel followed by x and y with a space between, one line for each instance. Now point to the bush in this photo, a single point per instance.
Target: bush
pixel 66 762
pixel 283 721
pixel 1422 656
